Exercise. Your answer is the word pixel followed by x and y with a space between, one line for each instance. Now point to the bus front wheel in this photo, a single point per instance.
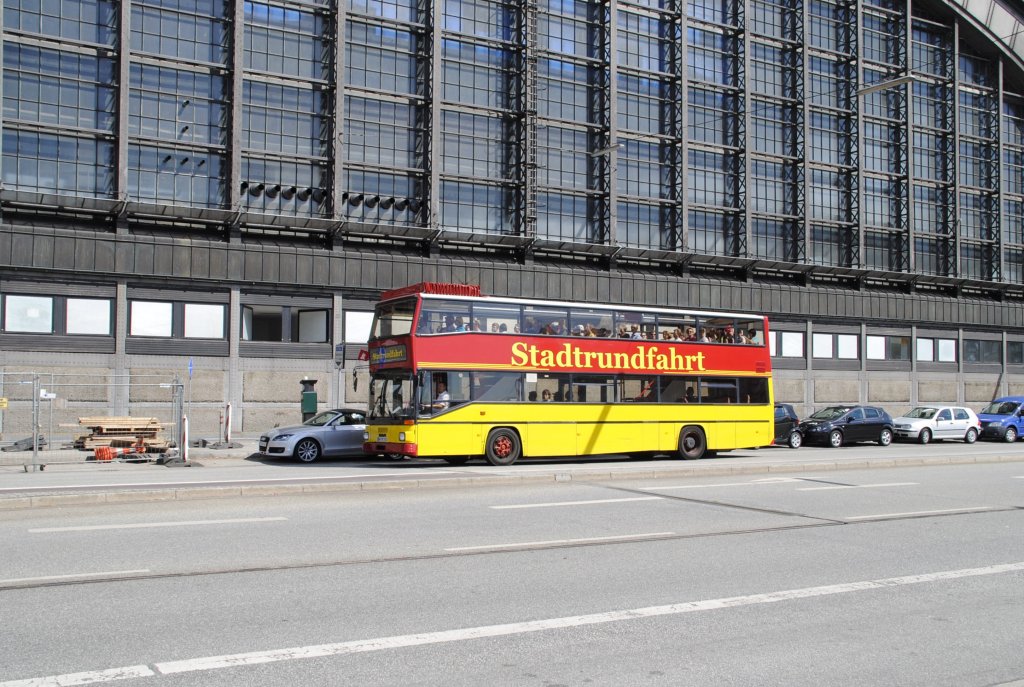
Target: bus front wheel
pixel 503 447
pixel 692 443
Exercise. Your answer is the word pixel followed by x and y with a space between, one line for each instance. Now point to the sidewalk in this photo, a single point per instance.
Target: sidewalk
pixel 242 471
pixel 68 457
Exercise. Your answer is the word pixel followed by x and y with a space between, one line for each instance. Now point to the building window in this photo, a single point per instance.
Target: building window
pixel 283 323
pixel 179 320
pixel 1015 352
pixel 312 327
pixel 33 76
pixel 57 315
pixel 786 344
pixel 980 351
pixel 63 164
pixel 88 316
pixel 203 321
pixel 888 347
pixel 88 21
pixel 936 350
pixel 357 326
pixel 835 346
pixel 28 314
pixel 147 318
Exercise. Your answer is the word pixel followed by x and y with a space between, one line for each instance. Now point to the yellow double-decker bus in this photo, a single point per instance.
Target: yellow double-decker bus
pixel 458 375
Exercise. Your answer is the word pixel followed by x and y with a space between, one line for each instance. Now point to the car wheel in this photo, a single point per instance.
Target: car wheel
pixel 885 438
pixel 693 445
pixel 971 436
pixel 307 450
pixel 796 439
pixel 925 436
pixel 503 447
pixel 835 438
pixel 1011 435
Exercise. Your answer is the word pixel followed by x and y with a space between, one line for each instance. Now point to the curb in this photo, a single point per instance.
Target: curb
pixel 128 495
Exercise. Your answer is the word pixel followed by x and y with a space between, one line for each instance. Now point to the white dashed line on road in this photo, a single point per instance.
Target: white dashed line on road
pixel 883 516
pixel 552 542
pixel 145 525
pixel 752 483
pixel 859 486
pixel 73 576
pixel 555 504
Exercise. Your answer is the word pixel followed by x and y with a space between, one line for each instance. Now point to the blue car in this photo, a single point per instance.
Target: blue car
pixel 1001 419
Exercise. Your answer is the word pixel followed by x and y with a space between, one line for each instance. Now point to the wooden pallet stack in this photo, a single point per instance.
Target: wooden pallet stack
pixel 121 432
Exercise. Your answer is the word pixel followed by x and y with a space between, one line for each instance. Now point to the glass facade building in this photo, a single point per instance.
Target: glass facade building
pixel 863 158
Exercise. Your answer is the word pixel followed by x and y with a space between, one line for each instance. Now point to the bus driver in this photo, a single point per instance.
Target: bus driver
pixel 441 397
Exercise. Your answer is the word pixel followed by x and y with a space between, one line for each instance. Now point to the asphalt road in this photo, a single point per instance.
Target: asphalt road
pixel 890 576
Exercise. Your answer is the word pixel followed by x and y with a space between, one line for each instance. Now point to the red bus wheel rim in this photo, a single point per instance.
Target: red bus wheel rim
pixel 502 447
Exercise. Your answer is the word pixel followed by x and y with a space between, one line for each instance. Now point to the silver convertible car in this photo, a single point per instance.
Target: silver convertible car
pixel 331 433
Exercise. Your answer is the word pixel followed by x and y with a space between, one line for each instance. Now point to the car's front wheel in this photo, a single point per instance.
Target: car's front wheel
pixel 885 438
pixel 1011 435
pixel 925 436
pixel 796 439
pixel 307 451
pixel 835 438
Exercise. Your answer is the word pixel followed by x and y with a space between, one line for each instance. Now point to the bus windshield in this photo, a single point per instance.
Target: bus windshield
pixel 391 396
pixel 393 319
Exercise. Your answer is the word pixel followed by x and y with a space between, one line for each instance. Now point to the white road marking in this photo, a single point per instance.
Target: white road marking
pixel 144 525
pixel 550 542
pixel 576 503
pixel 751 483
pixel 75 576
pixel 919 512
pixel 859 486
pixel 230 482
pixel 504 630
pixel 89 678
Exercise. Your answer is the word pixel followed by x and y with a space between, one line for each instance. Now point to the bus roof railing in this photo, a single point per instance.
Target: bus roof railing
pixel 435 288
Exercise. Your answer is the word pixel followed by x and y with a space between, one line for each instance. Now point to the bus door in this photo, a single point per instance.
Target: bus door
pixel 602 426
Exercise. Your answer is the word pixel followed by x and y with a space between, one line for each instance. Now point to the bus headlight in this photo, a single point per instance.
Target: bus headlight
pixel 366 436
pixel 401 436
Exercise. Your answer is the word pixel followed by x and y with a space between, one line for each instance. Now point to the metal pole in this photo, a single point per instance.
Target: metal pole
pixel 50 408
pixel 227 424
pixel 183 451
pixel 35 422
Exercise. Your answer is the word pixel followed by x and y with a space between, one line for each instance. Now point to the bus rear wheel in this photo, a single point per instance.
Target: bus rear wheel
pixel 503 447
pixel 693 445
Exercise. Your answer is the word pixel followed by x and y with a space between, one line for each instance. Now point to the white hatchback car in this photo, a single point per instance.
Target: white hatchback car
pixel 925 423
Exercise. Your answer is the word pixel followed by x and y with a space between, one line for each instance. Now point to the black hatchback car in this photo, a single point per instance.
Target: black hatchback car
pixel 787 431
pixel 838 425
